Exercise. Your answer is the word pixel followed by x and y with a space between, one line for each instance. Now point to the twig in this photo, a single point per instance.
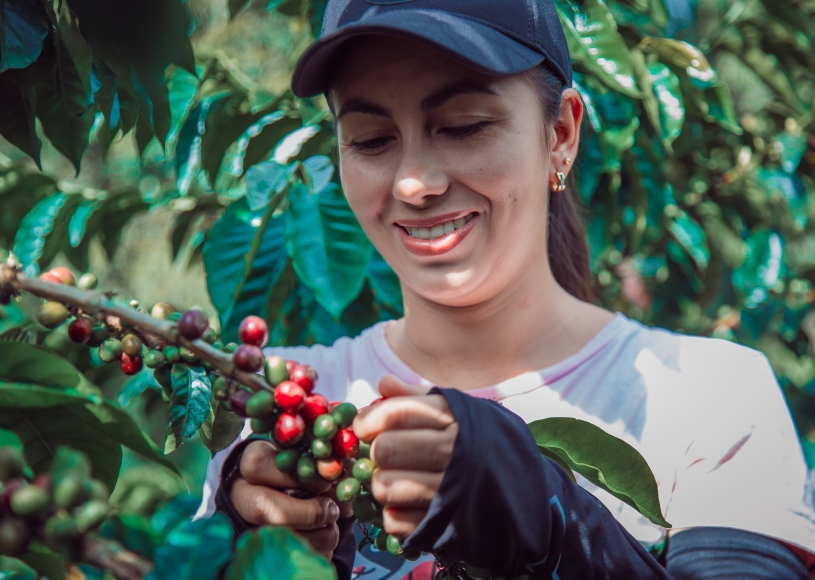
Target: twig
pixel 110 555
pixel 93 302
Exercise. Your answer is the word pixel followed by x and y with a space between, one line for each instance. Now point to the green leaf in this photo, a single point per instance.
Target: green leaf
pixel 72 40
pixel 23 28
pixel 244 256
pixel 46 220
pixel 195 550
pixel 775 77
pixel 134 532
pixel 265 179
pixel 318 171
pixel 14 569
pixel 221 428
pixel 682 57
pixel 281 550
pixel 546 452
pixel 691 237
pixel 78 224
pixel 329 249
pixel 385 283
pixel 763 266
pixel 595 43
pixel 45 561
pixel 264 135
pixel 189 404
pixel 607 462
pixel 17 117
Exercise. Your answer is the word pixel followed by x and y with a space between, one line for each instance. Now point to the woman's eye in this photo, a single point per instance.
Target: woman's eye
pixel 372 144
pixel 464 130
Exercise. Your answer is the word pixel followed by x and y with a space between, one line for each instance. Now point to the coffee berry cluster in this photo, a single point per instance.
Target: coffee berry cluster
pixel 57 511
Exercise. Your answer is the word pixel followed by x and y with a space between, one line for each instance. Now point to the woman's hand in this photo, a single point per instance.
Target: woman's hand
pixel 257 498
pixel 412 437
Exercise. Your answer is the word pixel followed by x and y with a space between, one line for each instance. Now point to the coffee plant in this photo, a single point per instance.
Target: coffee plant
pixel 697 164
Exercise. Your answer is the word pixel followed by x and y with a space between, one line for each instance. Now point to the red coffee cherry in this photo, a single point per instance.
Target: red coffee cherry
pixel 289 429
pixel 193 324
pixel 315 406
pixel 64 274
pixel 305 376
pixel 330 468
pixel 248 358
pixel 289 396
pixel 130 364
pixel 80 330
pixel 238 400
pixel 253 330
pixel 291 365
pixel 49 277
pixel 345 443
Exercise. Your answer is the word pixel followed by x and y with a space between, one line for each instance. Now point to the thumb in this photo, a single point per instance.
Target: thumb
pixel 392 386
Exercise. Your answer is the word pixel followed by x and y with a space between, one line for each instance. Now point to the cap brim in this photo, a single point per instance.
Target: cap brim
pixel 474 44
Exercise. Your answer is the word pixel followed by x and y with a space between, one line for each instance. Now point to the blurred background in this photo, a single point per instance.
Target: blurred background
pixel 181 171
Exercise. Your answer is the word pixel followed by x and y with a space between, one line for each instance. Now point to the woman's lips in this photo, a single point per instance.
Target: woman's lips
pixel 439 244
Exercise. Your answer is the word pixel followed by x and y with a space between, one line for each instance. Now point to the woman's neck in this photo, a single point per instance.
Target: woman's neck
pixel 530 326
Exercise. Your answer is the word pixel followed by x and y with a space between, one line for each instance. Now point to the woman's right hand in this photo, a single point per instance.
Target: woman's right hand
pixel 258 498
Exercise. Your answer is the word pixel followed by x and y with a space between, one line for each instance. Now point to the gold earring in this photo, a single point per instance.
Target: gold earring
pixel 568 161
pixel 561 183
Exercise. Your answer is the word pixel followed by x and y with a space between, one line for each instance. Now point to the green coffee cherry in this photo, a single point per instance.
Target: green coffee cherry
pixel 287 459
pixel 274 368
pixel 91 515
pixel 394 545
pixel 30 502
pixel 14 537
pixel 321 448
pixel 187 355
pixel 365 508
pixel 52 314
pixel 11 463
pixel 364 450
pixel 260 405
pixel 220 389
pixel 70 492
pixel 344 414
pixel 61 528
pixel 153 359
pixel 111 350
pixel 170 353
pixel 99 336
pixel 363 470
pixel 230 347
pixel 306 469
pixel 210 336
pixel 348 489
pixel 98 490
pixel 325 427
pixel 87 282
pixel 381 541
pixel 174 316
pixel 263 426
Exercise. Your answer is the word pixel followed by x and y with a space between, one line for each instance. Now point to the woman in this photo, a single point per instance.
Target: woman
pixel 457 128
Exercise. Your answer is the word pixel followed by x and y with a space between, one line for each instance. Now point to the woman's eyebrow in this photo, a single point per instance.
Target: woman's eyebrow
pixel 360 105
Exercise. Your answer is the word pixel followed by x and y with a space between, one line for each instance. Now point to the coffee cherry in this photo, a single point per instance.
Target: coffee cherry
pixel 8 490
pixel 43 480
pixel 345 444
pixel 324 427
pixel 131 345
pixel 130 364
pixel 64 274
pixel 161 311
pixel 30 502
pixel 289 396
pixel 98 336
pixel 70 492
pixel 193 324
pixel 253 330
pixel 262 426
pixel 238 400
pixel 170 353
pixel 363 470
pixel 347 489
pixel 61 528
pixel 187 355
pixel 98 490
pixel 290 366
pixel 394 546
pixel 52 314
pixel 305 376
pixel 14 537
pixel 329 468
pixel 381 541
pixel 110 350
pixel 260 405
pixel 306 469
pixel 80 330
pixel 364 450
pixel 365 508
pixel 314 406
pixel 91 515
pixel 248 358
pixel 230 347
pixel 49 277
pixel 275 370
pixel 11 463
pixel 321 448
pixel 220 389
pixel 87 281
pixel 153 359
pixel 344 414
pixel 287 459
pixel 289 429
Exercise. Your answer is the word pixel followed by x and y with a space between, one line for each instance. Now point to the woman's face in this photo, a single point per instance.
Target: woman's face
pixel 446 169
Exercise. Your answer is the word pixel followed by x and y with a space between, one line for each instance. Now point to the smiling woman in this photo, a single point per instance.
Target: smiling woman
pixel 457 127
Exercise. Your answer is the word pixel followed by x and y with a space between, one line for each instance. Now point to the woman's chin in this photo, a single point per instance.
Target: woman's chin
pixel 452 289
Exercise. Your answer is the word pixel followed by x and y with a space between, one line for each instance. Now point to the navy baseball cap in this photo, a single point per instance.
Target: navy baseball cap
pixel 491 36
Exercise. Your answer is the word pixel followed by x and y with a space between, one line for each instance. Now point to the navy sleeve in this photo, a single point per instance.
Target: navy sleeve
pixel 708 553
pixel 504 507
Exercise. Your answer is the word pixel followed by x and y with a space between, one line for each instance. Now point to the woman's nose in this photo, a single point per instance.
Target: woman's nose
pixel 419 178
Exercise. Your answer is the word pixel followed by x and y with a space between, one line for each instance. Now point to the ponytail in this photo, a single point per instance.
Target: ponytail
pixel 566 238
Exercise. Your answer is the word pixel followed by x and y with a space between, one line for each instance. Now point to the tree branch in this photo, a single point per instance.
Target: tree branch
pixel 111 556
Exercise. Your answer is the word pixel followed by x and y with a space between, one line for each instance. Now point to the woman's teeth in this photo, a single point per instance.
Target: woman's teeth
pixel 439 230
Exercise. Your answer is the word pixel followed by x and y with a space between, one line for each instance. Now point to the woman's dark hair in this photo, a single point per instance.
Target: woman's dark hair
pixel 567 246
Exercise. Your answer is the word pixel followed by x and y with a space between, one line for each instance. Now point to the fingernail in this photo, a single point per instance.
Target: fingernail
pixel 332 512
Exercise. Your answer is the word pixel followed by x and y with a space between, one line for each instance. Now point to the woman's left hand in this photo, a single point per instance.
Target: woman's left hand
pixel 412 437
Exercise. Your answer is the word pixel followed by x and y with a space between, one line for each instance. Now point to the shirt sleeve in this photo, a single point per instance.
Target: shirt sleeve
pixel 743 466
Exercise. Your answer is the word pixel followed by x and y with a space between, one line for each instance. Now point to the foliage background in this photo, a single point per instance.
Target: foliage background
pixel 217 190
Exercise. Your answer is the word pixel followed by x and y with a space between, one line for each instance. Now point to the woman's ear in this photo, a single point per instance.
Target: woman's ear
pixel 567 131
